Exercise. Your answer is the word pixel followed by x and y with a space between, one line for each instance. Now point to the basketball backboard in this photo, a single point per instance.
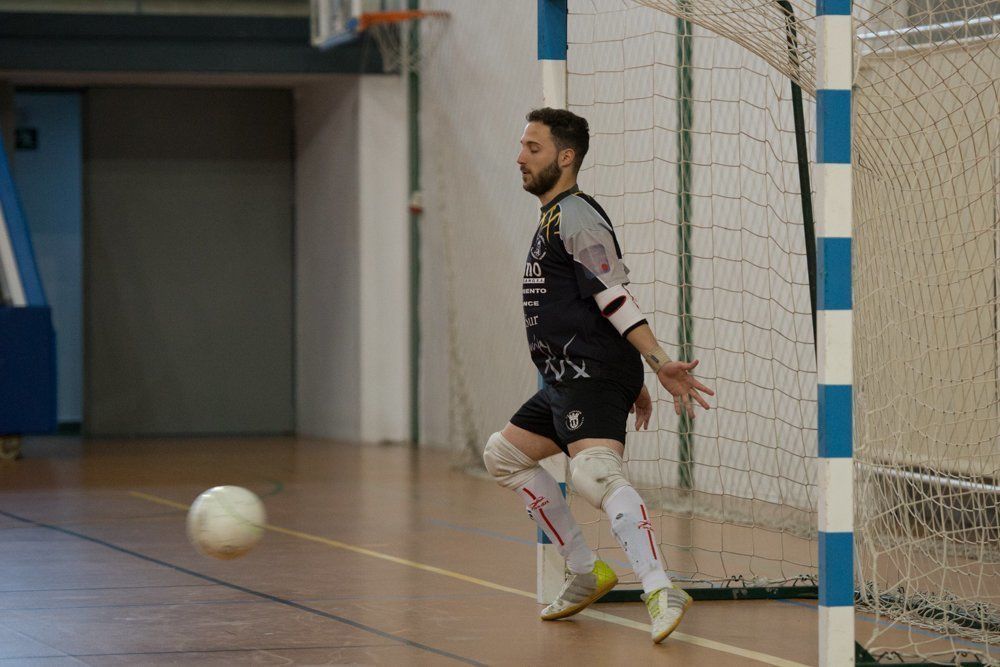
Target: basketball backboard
pixel 334 22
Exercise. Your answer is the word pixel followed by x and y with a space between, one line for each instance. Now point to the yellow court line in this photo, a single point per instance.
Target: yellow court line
pixel 356 549
pixel 590 613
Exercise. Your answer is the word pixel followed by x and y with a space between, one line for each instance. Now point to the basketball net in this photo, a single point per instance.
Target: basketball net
pixel 399 36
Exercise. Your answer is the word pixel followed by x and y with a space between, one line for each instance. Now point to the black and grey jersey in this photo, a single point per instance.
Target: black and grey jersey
pixel 574 255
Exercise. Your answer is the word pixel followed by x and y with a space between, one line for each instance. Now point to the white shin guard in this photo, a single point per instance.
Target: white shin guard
pixel 542 497
pixel 634 532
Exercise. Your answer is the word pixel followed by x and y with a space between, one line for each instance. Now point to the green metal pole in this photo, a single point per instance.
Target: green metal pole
pixel 413 98
pixel 685 325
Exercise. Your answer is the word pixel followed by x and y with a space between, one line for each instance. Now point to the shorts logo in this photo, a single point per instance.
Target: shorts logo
pixel 574 420
pixel 645 525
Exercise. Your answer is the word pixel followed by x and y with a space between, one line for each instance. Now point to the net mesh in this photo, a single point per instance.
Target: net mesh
pixel 926 328
pixel 404 38
pixel 476 226
pixel 694 157
pixel 705 86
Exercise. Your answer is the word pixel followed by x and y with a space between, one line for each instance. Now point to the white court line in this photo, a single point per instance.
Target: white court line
pixel 590 613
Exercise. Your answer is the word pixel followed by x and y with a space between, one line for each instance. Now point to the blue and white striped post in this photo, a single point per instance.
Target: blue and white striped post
pixel 552 31
pixel 834 316
pixel 552 16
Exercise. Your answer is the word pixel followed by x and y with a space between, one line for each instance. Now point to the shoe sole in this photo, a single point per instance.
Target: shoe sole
pixel 580 606
pixel 666 633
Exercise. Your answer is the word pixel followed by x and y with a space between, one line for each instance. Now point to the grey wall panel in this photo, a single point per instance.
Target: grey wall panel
pixel 188 261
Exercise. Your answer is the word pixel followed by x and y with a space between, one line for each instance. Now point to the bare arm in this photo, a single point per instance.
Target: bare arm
pixel 600 266
pixel 642 339
pixel 674 376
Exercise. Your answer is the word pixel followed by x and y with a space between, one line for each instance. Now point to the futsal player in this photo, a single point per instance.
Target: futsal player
pixel 587 337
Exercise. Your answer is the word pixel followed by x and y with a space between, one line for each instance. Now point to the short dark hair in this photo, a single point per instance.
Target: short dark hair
pixel 568 130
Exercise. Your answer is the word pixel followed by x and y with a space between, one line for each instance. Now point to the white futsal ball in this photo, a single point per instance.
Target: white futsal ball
pixel 226 522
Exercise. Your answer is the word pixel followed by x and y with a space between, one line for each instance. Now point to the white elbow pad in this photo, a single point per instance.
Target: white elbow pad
pixel 619 306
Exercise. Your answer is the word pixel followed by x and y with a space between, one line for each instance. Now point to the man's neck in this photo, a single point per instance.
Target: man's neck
pixel 564 184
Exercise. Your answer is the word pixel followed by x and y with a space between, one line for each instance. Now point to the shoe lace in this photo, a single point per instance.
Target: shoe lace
pixel 567 582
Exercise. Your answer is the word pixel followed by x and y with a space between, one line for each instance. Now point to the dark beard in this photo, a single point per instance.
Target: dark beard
pixel 545 181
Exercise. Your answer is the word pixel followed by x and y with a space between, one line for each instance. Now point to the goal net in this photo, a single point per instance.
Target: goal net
pixel 926 410
pixel 697 158
pixel 694 156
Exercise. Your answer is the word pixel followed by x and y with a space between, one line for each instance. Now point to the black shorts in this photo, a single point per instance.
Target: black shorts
pixel 576 409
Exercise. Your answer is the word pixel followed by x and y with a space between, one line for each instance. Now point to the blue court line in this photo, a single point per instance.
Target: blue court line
pixel 107 521
pixel 221 603
pixel 248 591
pixel 678 578
pixel 96 588
pixel 480 531
pixel 222 650
pixel 919 631
pixel 20 659
pixel 499 536
pixel 35 640
pixel 207 650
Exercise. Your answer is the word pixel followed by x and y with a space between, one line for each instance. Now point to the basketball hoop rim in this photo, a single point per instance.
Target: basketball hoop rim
pixel 369 19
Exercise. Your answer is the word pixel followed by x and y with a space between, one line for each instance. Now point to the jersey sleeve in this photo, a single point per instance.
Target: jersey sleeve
pixel 590 242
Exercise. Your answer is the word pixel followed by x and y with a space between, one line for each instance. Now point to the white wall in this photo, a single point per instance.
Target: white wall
pixel 352 259
pixel 327 307
pixel 476 88
pixel 384 255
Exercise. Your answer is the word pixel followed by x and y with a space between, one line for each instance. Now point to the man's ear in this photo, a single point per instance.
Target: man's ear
pixel 566 157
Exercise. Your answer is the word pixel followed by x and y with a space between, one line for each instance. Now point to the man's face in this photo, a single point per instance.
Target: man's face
pixel 538 159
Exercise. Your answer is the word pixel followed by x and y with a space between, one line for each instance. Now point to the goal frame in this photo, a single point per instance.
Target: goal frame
pixel 833 312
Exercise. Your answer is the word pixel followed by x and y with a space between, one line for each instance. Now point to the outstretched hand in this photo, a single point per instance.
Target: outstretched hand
pixel 676 378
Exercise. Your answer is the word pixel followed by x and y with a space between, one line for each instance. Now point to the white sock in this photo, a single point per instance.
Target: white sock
pixel 631 526
pixel 547 506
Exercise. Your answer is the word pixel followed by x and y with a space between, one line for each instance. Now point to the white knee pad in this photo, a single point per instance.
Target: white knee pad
pixel 510 467
pixel 595 473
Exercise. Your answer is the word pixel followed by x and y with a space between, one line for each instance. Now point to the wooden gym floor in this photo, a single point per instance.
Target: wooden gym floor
pixel 374 555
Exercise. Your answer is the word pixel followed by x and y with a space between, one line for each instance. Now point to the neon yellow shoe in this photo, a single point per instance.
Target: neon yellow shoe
pixel 666 609
pixel 580 590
